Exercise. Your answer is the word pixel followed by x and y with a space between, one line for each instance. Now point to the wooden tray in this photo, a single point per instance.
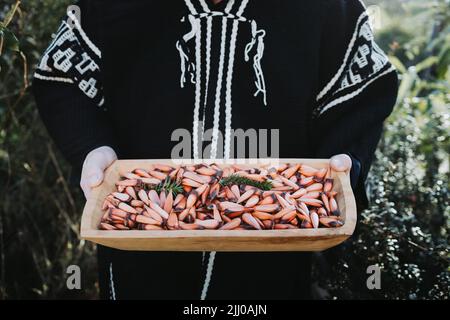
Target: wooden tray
pixel 217 240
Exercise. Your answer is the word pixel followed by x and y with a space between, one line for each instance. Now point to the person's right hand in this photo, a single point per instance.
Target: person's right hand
pixel 94 166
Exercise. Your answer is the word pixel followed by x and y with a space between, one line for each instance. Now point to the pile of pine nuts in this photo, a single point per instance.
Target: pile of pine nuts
pixel 216 197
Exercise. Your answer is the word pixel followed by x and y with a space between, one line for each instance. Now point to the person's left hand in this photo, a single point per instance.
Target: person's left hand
pixel 341 163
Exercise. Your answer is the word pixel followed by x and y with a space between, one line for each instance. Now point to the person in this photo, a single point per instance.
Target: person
pixel 120 76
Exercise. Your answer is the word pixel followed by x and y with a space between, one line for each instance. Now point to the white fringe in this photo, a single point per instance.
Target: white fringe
pixel 354 93
pixel 229 6
pixel 208 68
pixel 58 79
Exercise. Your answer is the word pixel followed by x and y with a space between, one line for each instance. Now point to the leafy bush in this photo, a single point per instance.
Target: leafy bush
pixel 405 230
pixel 39 212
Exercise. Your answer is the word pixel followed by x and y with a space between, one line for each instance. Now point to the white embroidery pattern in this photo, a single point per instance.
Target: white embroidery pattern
pixel 73 58
pixel 364 62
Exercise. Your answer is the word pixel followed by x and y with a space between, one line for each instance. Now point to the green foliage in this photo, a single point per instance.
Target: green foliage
pixel 405 230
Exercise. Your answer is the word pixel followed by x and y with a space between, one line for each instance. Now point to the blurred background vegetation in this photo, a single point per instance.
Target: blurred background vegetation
pixel 405 230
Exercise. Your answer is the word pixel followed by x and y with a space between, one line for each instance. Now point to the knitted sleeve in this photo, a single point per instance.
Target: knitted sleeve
pixel 68 89
pixel 358 89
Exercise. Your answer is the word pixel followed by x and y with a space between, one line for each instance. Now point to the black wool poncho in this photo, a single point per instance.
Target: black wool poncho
pixel 126 74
